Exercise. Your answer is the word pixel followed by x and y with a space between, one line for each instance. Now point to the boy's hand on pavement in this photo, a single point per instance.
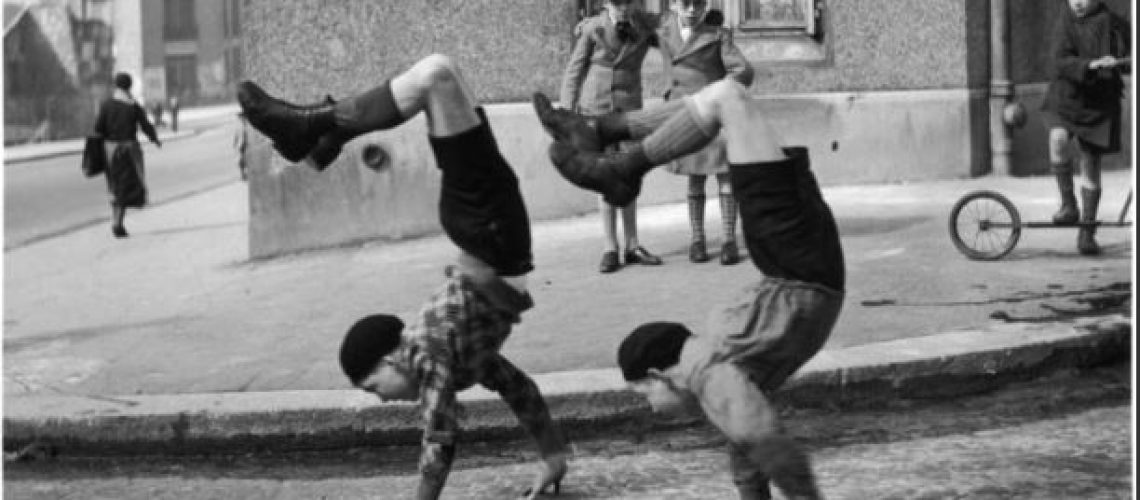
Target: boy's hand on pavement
pixel 553 470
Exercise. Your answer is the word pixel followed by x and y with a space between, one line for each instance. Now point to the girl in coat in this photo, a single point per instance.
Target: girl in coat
pixel 698 51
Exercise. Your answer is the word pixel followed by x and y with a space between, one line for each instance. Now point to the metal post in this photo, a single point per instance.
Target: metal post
pixel 1001 88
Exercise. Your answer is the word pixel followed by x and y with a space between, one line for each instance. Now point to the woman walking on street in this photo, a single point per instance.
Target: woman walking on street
pixel 119 120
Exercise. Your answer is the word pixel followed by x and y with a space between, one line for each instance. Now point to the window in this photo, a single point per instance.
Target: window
pixel 179 20
pixel 779 16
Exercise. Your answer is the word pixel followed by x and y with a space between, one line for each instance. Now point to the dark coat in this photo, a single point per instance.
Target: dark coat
pixel 604 73
pixel 708 56
pixel 1084 101
pixel 120 119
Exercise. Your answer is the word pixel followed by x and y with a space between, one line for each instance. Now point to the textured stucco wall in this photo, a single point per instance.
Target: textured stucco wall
pixel 303 48
pixel 900 93
pixel 887 45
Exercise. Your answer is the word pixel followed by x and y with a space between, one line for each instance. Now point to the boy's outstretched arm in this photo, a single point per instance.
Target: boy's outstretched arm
pixel 520 393
pixel 440 429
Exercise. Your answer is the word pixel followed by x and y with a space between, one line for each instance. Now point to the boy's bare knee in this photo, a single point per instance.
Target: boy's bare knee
pixel 436 68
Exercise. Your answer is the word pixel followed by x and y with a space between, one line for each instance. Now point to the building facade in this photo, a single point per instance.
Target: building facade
pixel 879 90
pixel 59 56
pixel 57 63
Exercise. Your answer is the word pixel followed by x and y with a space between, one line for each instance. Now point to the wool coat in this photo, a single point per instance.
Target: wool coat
pixel 707 56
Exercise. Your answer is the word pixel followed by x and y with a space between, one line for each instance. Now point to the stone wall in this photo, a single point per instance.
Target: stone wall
pixel 895 94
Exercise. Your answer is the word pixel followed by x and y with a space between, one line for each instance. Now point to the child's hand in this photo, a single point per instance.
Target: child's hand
pixel 553 469
pixel 1103 62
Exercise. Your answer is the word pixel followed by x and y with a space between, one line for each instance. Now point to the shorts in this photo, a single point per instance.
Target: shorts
pixel 480 206
pixel 774 327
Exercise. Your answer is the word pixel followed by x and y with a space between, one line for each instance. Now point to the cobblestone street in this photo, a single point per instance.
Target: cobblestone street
pixel 1063 437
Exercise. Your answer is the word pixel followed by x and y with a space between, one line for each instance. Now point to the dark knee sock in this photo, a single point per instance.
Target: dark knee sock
pixel 679 135
pixel 697 215
pixel 373 110
pixel 728 215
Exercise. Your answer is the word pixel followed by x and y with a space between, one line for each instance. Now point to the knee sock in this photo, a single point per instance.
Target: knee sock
pixel 638 124
pixel 728 215
pixel 697 216
pixel 373 110
pixel 680 134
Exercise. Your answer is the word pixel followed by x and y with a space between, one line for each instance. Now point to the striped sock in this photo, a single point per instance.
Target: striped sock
pixel 728 216
pixel 697 216
pixel 640 123
pixel 679 135
pixel 727 208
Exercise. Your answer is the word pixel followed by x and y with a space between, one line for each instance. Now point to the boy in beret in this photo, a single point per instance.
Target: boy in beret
pixel 454 341
pixel 778 324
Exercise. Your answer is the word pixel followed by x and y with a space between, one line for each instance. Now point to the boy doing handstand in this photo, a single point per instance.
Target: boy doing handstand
pixel 782 321
pixel 455 339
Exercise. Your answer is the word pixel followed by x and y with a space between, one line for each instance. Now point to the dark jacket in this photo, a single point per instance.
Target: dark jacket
pixel 1083 98
pixel 708 56
pixel 120 118
pixel 604 73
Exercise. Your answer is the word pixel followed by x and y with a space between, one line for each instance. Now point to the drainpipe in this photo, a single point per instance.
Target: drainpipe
pixel 1001 89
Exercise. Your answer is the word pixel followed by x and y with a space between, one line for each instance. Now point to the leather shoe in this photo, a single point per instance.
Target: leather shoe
pixel 697 252
pixel 639 255
pixel 293 129
pixel 729 254
pixel 566 126
pixel 604 173
pixel 119 231
pixel 609 262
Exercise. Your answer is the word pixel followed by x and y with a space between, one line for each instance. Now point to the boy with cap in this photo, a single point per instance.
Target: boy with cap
pixel 754 345
pixel 455 339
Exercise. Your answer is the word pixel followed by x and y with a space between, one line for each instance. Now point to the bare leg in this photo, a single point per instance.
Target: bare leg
pixel 608 214
pixel 726 106
pixel 435 86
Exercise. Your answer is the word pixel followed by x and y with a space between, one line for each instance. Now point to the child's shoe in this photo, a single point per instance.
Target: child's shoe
pixel 566 126
pixel 729 254
pixel 610 174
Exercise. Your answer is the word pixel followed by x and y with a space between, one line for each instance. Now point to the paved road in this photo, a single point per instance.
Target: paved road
pixel 49 196
pixel 1064 437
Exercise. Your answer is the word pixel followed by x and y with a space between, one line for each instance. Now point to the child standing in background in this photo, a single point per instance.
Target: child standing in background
pixel 1082 107
pixel 604 75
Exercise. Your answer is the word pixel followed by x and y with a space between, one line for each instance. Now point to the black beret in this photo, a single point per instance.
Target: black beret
pixel 370 339
pixel 652 345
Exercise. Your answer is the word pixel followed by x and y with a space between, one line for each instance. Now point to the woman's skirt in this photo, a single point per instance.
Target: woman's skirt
pixel 126 179
pixel 708 161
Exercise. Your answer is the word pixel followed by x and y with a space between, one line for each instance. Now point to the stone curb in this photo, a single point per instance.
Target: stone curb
pixel 934 366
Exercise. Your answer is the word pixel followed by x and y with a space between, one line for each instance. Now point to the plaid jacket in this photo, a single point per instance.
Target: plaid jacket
pixel 453 344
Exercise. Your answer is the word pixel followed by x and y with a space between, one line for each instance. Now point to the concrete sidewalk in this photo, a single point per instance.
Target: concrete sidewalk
pixel 172 338
pixel 37 151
